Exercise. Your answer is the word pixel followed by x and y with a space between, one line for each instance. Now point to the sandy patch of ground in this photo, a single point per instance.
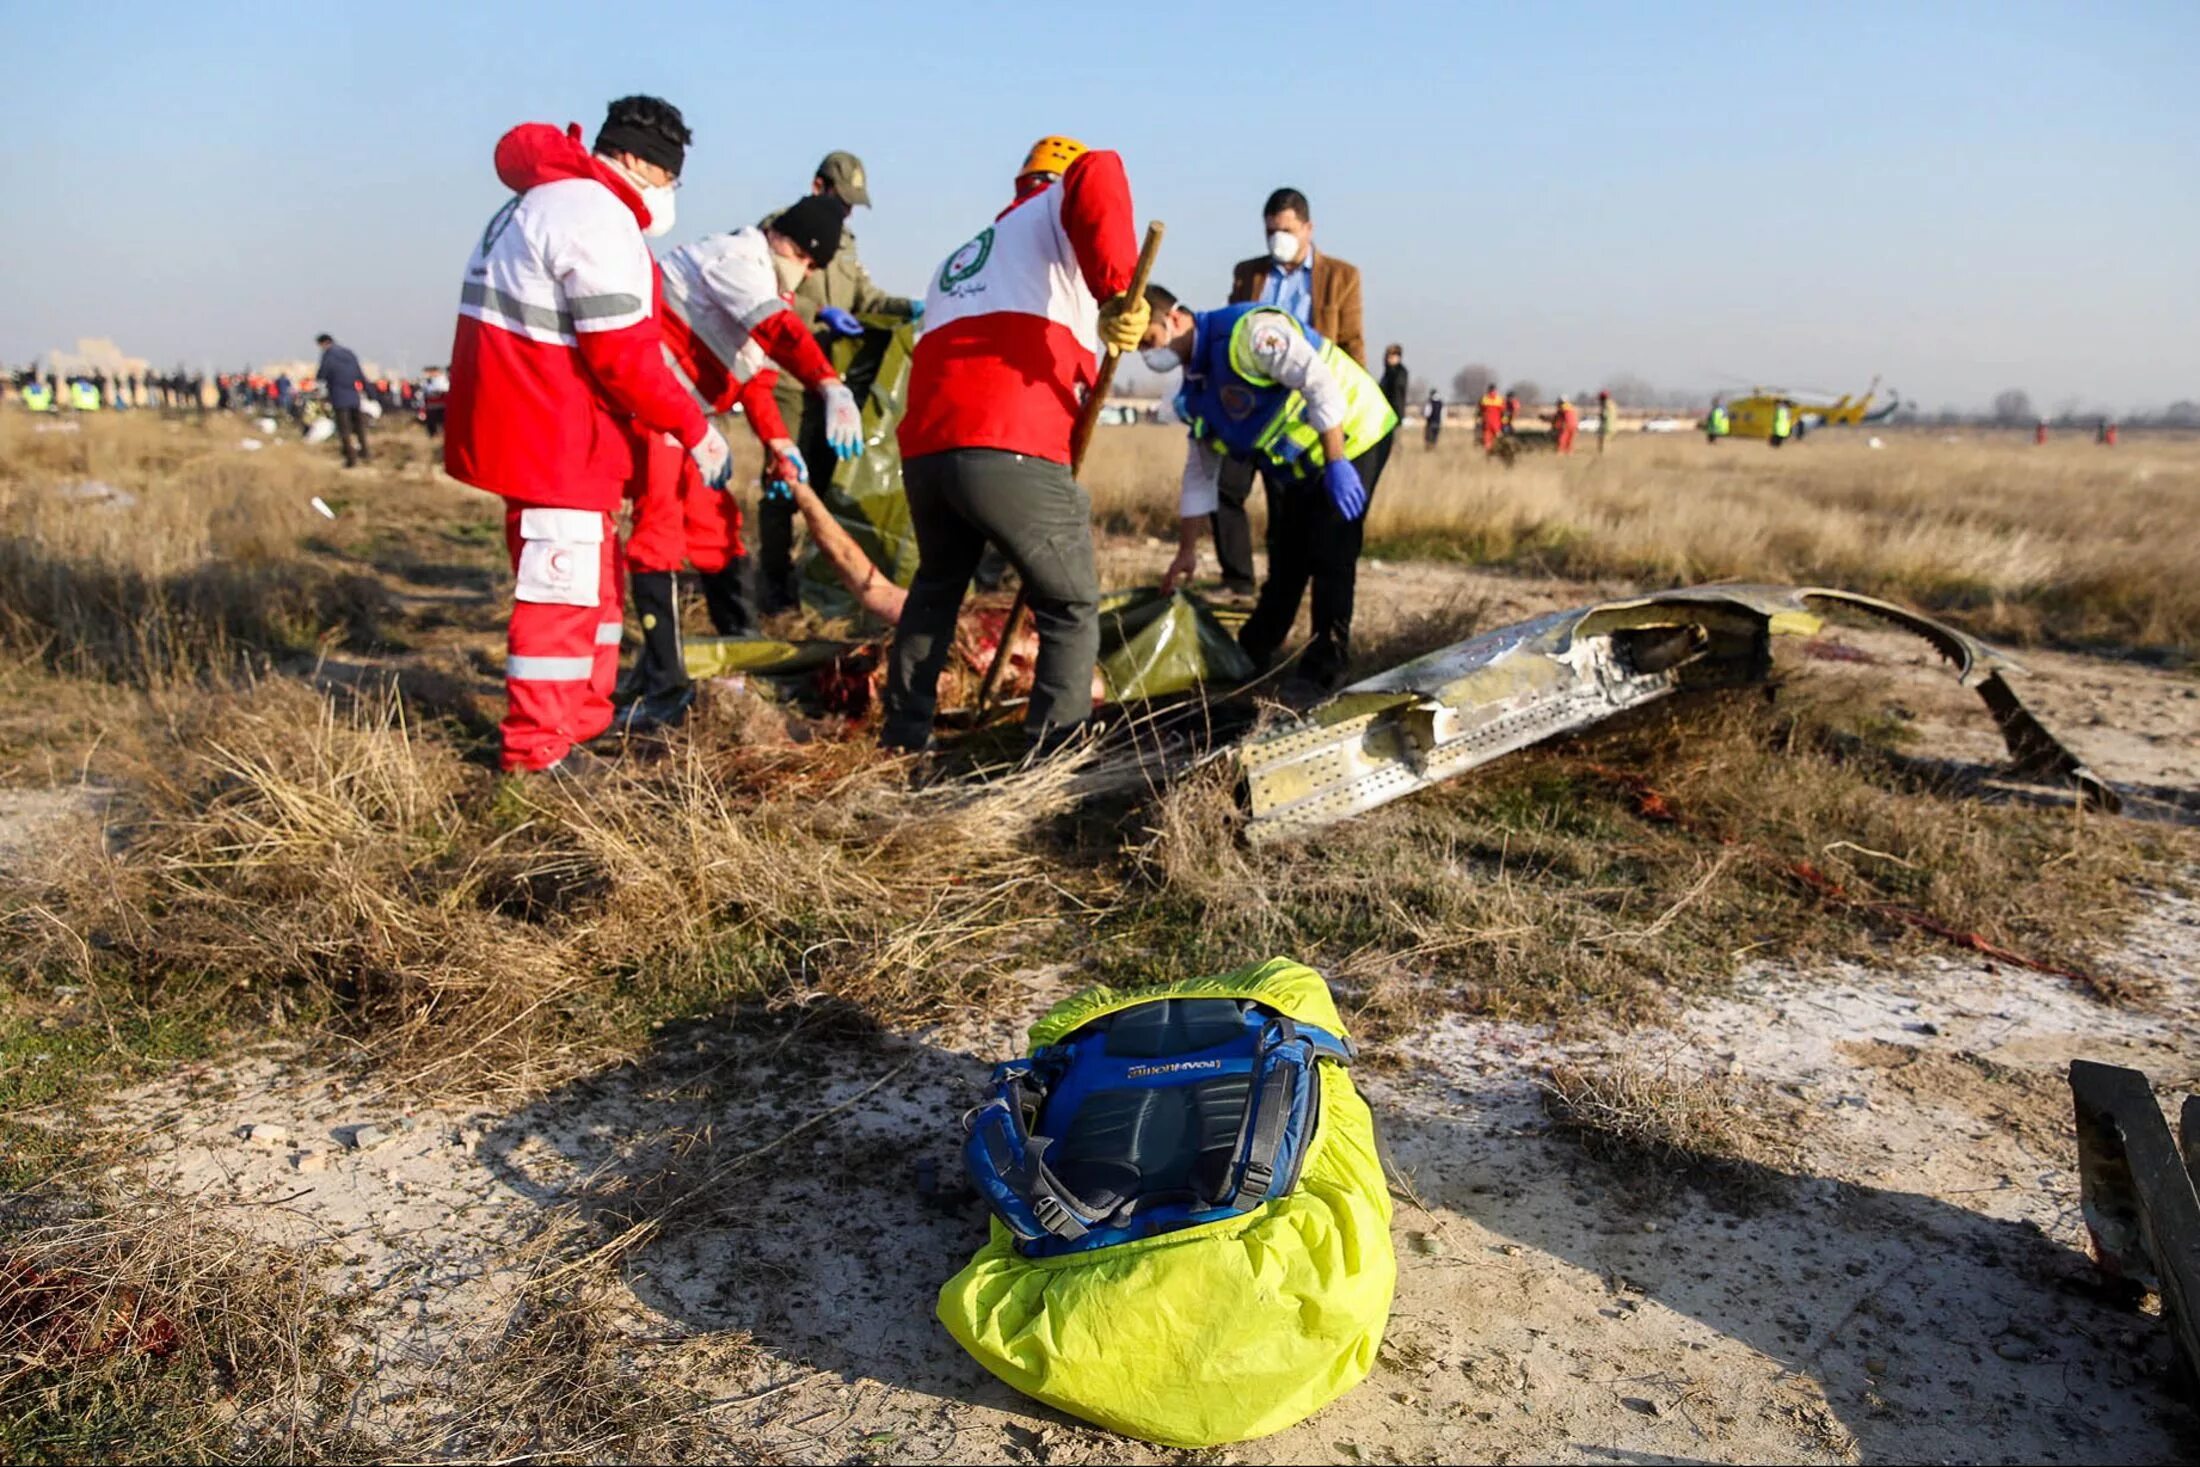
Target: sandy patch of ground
pixel 1914 1289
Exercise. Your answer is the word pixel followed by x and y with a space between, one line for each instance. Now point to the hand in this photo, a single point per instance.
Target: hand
pixel 841 321
pixel 843 421
pixel 916 312
pixel 714 456
pixel 1180 569
pixel 1123 322
pixel 1345 489
pixel 787 469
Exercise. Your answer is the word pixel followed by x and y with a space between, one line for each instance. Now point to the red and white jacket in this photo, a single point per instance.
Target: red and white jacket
pixel 725 323
pixel 1011 320
pixel 558 357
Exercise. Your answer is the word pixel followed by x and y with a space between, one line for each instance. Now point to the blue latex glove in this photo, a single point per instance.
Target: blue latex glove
pixel 777 484
pixel 1345 490
pixel 841 321
pixel 916 312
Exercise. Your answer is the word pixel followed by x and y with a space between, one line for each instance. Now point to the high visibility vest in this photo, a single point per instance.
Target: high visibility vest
pixel 38 397
pixel 1492 403
pixel 1718 423
pixel 1780 421
pixel 1239 412
pixel 84 397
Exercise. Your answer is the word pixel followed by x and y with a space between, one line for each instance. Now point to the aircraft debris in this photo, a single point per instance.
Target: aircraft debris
pixel 1453 710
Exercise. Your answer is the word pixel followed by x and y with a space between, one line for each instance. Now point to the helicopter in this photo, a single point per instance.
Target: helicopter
pixel 1751 416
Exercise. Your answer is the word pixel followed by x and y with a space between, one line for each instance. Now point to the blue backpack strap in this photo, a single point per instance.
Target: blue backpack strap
pixel 1279 1112
pixel 1007 1163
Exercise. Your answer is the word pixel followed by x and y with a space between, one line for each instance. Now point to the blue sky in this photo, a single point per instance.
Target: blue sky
pixel 1964 198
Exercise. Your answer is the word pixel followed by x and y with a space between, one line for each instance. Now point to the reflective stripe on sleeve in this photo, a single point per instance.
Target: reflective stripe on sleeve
pixel 596 307
pixel 550 669
pixel 610 633
pixel 485 297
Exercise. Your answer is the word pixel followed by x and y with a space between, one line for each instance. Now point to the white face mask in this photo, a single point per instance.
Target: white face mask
pixel 657 200
pixel 1160 359
pixel 788 272
pixel 1283 247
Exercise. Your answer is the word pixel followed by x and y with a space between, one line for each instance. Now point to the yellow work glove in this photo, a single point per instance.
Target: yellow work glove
pixel 1123 322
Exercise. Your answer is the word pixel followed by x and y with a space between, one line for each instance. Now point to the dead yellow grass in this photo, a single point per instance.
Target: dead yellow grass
pixel 2070 543
pixel 1734 1137
pixel 483 935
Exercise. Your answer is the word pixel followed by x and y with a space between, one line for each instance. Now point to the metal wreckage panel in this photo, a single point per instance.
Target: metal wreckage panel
pixel 2138 1193
pixel 1453 710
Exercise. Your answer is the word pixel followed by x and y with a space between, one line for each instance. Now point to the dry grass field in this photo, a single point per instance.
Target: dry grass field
pixel 246 760
pixel 2067 543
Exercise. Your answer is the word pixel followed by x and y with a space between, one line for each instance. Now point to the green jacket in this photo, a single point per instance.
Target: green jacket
pixel 844 283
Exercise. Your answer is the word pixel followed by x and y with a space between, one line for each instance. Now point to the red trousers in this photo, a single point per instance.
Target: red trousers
pixel 1566 433
pixel 677 516
pixel 1490 427
pixel 563 645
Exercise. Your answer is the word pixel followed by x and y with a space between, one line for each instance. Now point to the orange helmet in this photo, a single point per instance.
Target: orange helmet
pixel 1052 155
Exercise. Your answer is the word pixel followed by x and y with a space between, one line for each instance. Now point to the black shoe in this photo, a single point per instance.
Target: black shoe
pixel 903 743
pixel 1240 588
pixel 655 712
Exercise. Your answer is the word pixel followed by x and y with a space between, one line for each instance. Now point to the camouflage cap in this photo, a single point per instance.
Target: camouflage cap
pixel 843 173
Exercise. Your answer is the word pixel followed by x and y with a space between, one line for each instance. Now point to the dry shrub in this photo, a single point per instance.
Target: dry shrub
pixel 2070 543
pixel 147 1330
pixel 1734 1138
pixel 487 934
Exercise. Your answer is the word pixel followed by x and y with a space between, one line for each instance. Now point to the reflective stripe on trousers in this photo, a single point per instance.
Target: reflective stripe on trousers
pixel 562 661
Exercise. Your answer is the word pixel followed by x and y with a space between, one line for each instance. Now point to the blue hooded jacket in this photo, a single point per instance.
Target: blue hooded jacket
pixel 339 373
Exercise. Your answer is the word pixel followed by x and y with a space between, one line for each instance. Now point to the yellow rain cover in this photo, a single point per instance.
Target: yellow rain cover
pixel 1216 1333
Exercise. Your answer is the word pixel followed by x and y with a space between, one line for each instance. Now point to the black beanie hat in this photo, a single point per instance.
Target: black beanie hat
pixel 814 223
pixel 648 127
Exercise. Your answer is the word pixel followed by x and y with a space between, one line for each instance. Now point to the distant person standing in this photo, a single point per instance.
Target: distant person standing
pixel 1565 422
pixel 435 395
pixel 1432 419
pixel 1783 421
pixel 1717 423
pixel 1512 413
pixel 341 378
pixel 1607 420
pixel 1322 292
pixel 2107 436
pixel 2039 434
pixel 1492 411
pixel 1395 383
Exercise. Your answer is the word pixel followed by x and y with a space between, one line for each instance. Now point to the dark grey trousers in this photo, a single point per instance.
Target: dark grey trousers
pixel 1042 521
pixel 351 429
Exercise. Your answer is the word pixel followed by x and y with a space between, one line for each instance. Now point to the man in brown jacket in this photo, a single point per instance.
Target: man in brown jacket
pixel 1324 293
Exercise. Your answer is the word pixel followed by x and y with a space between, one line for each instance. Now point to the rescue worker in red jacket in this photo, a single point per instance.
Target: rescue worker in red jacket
pixel 1565 422
pixel 1014 321
pixel 1492 409
pixel 726 319
pixel 557 362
